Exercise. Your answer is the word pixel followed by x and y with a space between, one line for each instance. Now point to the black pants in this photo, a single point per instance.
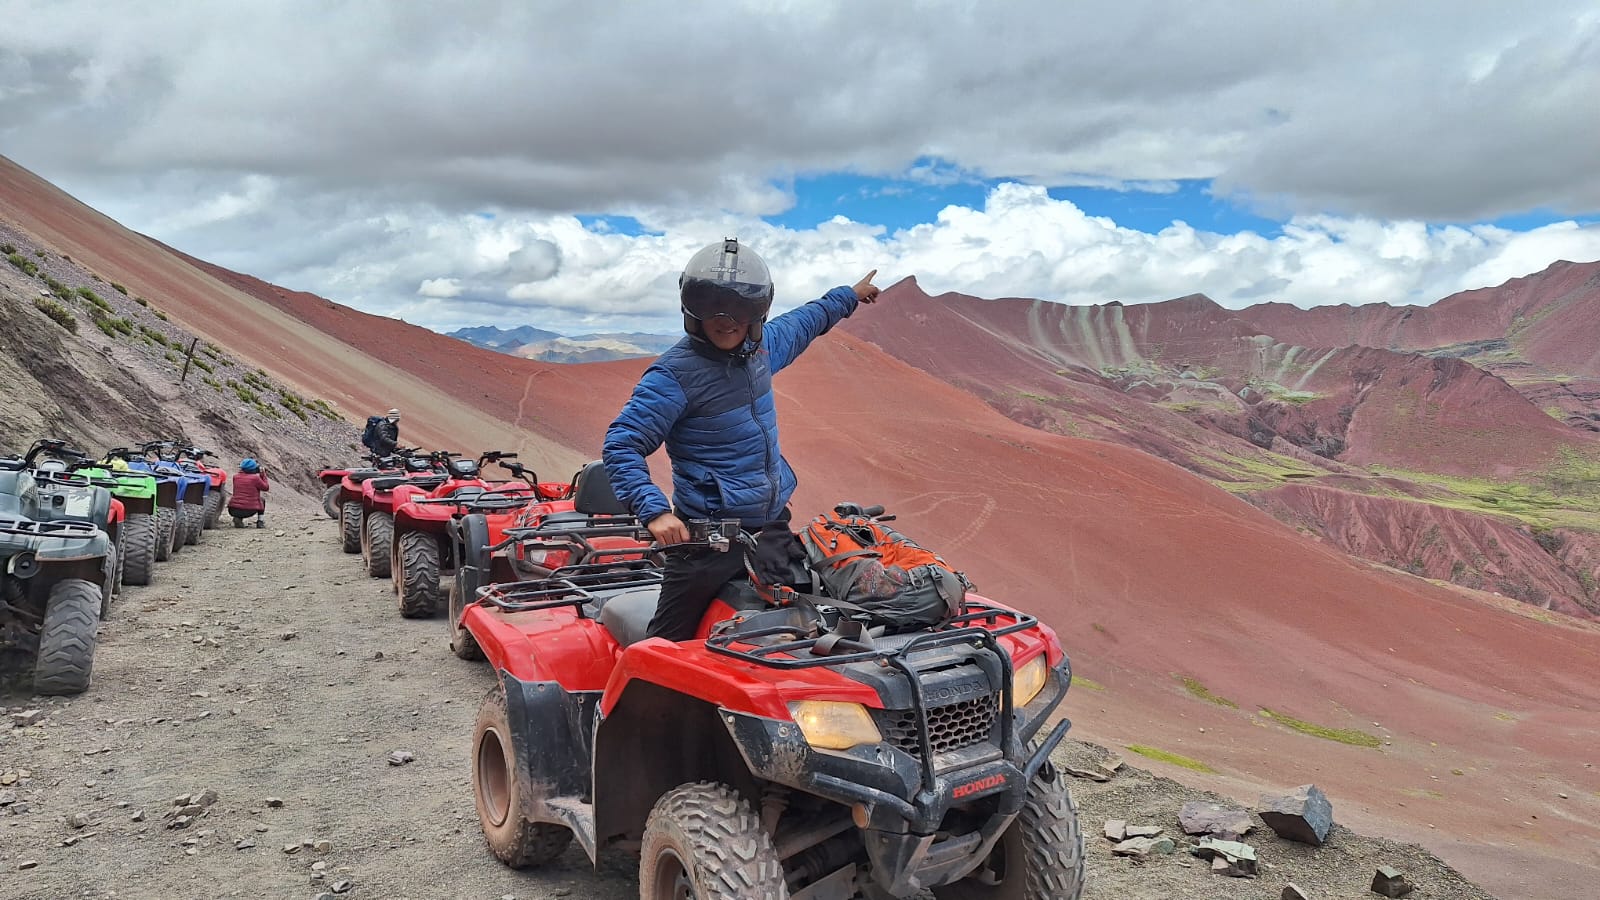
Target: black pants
pixel 689 583
pixel 246 513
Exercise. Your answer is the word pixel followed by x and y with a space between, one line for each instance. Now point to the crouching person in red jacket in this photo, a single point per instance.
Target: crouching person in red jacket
pixel 249 489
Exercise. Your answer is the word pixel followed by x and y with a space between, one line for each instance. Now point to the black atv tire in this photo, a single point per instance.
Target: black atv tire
pixel 216 500
pixel 350 526
pixel 111 571
pixel 330 501
pixel 1040 857
pixel 139 533
pixel 166 520
pixel 194 522
pixel 379 544
pixel 67 638
pixel 416 574
pixel 500 790
pixel 705 837
pixel 462 643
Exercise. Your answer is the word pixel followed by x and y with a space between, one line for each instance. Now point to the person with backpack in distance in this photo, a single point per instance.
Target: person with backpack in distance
pixel 709 400
pixel 382 434
pixel 249 488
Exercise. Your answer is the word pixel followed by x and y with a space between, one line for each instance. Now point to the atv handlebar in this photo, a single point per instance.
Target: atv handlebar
pixel 490 456
pixel 55 447
pixel 848 510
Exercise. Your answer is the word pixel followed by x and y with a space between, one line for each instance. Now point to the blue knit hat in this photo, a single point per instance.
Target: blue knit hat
pixel 249 465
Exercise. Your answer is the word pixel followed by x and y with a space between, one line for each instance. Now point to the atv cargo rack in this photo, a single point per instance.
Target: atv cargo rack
pixel 979 624
pixel 66 529
pixel 573 586
pixel 389 482
pixel 484 501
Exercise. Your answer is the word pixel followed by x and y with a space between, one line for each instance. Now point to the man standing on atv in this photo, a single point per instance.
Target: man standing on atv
pixel 382 434
pixel 709 399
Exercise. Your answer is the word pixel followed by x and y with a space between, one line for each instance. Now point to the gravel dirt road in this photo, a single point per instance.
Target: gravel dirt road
pixel 264 666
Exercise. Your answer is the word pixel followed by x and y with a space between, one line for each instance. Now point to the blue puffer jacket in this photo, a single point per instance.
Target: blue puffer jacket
pixel 714 411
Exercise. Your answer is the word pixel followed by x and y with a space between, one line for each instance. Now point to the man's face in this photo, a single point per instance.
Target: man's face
pixel 724 333
pixel 394 418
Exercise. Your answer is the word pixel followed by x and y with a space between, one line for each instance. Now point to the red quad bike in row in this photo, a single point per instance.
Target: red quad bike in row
pixel 586 531
pixel 351 514
pixel 379 501
pixel 788 751
pixel 421 550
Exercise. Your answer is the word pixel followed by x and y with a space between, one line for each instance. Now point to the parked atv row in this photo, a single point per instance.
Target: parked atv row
pixel 796 747
pixel 73 529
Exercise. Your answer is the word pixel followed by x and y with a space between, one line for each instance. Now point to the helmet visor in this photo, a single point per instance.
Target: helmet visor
pixel 742 302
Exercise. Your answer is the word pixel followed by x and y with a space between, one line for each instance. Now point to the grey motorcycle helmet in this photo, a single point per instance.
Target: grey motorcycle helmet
pixel 725 279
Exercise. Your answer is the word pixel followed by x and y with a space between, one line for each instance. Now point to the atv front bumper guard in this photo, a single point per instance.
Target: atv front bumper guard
pixel 901 835
pixel 61 541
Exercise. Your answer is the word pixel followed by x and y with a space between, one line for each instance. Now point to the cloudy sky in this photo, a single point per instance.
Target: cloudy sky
pixel 555 164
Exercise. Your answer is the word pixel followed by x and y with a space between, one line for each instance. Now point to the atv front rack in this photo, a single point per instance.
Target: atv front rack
pixel 979 624
pixel 65 529
pixel 573 586
pixel 390 482
pixel 488 501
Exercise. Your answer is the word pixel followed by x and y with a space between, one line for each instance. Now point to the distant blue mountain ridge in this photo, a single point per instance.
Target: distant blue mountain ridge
pixel 547 346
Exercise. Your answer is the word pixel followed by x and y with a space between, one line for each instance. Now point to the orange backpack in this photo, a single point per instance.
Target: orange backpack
pixel 864 565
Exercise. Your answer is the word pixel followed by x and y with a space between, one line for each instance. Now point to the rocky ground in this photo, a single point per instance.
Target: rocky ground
pixel 267 680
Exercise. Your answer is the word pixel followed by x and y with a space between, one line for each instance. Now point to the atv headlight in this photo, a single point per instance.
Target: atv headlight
pixel 1028 681
pixel 831 725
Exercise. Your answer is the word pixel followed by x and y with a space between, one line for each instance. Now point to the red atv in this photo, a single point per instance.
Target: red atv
pixel 788 751
pixel 332 484
pixel 379 500
pixel 422 550
pixel 350 488
pixel 586 531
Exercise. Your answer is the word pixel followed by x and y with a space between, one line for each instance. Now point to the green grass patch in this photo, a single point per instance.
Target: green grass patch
pixel 94 299
pixel 57 288
pixel 141 301
pixel 161 315
pixel 321 408
pixel 155 335
pixel 1566 493
pixel 212 381
pixel 8 249
pixel 1193 686
pixel 245 394
pixel 203 365
pixel 60 314
pixel 1349 736
pixel 1078 681
pixel 1175 759
pixel 23 264
pixel 119 289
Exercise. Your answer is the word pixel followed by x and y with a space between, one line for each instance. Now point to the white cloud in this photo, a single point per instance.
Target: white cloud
pixel 1360 108
pixel 440 288
pixel 434 167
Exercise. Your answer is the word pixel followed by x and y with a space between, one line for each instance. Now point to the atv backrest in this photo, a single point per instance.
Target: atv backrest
pixel 592 492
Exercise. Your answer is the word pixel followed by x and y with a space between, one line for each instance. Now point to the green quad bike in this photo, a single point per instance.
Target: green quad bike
pixel 53 573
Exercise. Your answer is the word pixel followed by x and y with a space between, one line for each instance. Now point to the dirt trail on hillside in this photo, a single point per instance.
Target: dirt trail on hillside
pixel 265 664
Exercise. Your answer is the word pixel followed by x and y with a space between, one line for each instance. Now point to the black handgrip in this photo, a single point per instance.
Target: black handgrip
pixel 872 512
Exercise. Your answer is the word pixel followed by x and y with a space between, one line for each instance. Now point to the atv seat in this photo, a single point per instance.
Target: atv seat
pixel 627 615
pixel 592 494
pixel 560 517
